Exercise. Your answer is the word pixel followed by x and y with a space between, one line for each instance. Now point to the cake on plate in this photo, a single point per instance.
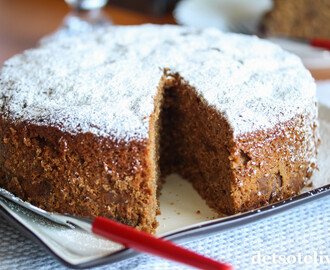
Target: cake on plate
pixel 90 124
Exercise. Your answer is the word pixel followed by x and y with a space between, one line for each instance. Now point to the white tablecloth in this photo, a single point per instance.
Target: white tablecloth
pixel 301 232
pixel 298 238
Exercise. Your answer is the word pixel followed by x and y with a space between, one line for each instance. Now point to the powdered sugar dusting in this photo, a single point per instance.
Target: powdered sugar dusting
pixel 105 82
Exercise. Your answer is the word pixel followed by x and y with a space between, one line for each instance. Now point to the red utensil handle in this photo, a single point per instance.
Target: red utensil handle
pixel 322 43
pixel 141 241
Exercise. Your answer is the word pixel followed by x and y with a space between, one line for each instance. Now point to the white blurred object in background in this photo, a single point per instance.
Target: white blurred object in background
pixel 244 16
pixel 84 16
pixel 223 14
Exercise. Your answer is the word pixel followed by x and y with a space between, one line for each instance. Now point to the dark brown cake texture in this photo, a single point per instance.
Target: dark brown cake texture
pixel 67 162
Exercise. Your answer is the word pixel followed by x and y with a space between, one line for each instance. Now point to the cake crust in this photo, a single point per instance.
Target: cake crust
pixel 82 175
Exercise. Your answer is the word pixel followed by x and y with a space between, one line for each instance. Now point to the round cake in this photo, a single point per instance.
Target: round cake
pixel 90 124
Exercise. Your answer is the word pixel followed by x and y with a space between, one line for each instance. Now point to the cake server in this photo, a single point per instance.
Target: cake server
pixel 123 234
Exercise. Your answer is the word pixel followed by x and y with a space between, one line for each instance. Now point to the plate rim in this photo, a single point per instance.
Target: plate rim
pixel 186 234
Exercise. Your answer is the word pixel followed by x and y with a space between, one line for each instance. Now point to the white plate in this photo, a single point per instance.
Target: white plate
pixel 184 216
pixel 312 57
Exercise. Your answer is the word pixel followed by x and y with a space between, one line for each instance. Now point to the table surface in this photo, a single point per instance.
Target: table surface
pixel 23 23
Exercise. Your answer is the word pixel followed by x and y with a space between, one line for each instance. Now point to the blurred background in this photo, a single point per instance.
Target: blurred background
pixel 24 22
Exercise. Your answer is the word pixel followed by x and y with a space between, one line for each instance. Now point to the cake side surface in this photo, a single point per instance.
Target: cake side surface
pixel 273 165
pixel 82 175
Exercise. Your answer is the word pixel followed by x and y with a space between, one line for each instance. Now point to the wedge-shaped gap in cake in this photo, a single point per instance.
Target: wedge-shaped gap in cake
pixel 195 142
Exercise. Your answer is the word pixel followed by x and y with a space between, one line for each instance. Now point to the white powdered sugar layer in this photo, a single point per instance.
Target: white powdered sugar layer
pixel 105 82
